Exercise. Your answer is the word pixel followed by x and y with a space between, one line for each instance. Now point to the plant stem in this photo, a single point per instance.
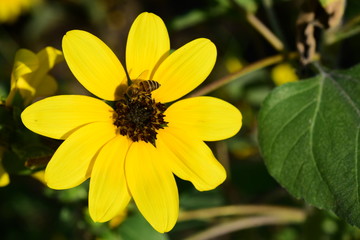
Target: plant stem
pixel 243 223
pixel 265 32
pixel 268 215
pixel 247 69
pixel 349 29
pixel 268 4
pixel 241 210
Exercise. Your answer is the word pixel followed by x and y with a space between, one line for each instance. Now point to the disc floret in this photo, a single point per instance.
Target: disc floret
pixel 139 117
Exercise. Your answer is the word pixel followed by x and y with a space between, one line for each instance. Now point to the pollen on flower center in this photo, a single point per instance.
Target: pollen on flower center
pixel 138 115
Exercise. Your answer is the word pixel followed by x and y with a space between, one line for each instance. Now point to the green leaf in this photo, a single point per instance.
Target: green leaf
pixel 309 137
pixel 135 227
pixel 248 5
pixel 325 3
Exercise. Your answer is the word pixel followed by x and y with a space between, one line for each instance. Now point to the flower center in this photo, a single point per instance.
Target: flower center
pixel 138 115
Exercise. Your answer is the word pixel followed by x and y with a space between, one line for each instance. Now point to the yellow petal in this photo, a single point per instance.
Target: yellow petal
pixel 4 176
pixel 190 159
pixel 148 43
pixel 206 118
pixel 73 160
pixel 184 69
pixel 25 88
pixel 48 58
pixel 25 62
pixel 152 185
pixel 94 64
pixel 29 85
pixel 40 176
pixel 108 189
pixel 58 116
pixel 47 87
pixel 30 71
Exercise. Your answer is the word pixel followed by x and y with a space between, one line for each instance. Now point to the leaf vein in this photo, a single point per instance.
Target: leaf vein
pixel 344 93
pixel 311 130
pixel 287 98
pixel 357 163
pixel 288 122
pixel 295 143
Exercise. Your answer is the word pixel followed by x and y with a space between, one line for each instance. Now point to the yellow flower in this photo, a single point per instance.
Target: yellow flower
pixel 133 149
pixel 233 64
pixel 11 9
pixel 283 73
pixel 4 176
pixel 118 219
pixel 30 74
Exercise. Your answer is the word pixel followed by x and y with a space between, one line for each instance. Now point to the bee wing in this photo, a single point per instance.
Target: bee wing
pixel 142 76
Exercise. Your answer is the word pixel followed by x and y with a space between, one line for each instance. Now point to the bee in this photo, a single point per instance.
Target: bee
pixel 139 87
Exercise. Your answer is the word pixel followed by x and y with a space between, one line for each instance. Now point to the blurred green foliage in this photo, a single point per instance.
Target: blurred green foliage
pixel 30 210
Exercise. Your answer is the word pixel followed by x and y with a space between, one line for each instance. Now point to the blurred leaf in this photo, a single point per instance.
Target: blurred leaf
pixel 309 136
pixel 13 164
pixel 45 16
pixel 257 94
pixel 135 227
pixel 3 92
pixel 190 19
pixel 325 3
pixel 193 199
pixel 236 89
pixel 70 195
pixel 287 234
pixel 197 16
pixel 248 5
pixel 5 125
pixel 352 9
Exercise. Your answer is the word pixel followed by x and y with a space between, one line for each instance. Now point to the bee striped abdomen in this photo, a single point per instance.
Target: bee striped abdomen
pixel 148 86
pixel 140 87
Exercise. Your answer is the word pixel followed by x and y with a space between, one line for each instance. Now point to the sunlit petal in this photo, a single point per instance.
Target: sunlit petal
pixel 94 64
pixel 4 176
pixel 108 189
pixel 30 72
pixel 152 186
pixel 148 43
pixel 73 161
pixel 206 118
pixel 48 87
pixel 59 116
pixel 184 69
pixel 25 62
pixel 48 58
pixel 190 159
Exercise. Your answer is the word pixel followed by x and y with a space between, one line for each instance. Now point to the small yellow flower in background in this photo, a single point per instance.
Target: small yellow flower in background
pixel 283 73
pixel 4 176
pixel 118 219
pixel 10 10
pixel 30 74
pixel 133 149
pixel 233 64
